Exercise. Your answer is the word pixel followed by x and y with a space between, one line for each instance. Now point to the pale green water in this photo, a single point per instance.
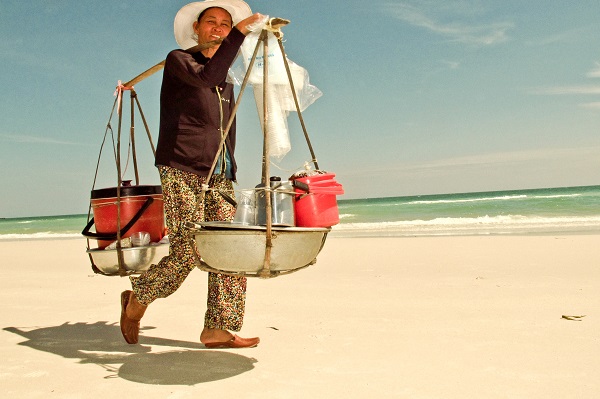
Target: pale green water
pixel 568 209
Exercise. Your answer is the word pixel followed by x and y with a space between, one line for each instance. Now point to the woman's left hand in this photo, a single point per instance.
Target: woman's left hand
pixel 251 23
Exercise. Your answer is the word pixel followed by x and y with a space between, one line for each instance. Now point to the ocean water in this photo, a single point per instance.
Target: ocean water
pixel 62 226
pixel 537 211
pixel 564 210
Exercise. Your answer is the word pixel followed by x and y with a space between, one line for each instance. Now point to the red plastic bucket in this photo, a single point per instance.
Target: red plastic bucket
pixel 318 207
pixel 144 203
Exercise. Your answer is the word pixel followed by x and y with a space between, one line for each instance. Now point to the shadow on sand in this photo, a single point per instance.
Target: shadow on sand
pixel 188 364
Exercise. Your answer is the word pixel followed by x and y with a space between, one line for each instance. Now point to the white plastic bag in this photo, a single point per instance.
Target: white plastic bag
pixel 278 136
pixel 277 74
pixel 280 99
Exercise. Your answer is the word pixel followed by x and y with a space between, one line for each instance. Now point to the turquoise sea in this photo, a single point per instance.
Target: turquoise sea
pixel 538 211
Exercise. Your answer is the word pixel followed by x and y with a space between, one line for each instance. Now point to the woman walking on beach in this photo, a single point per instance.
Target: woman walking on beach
pixel 196 101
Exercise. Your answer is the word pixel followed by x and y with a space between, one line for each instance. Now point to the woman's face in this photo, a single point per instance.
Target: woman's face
pixel 215 24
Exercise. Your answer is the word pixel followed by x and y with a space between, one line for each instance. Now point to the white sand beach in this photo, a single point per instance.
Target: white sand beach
pixel 436 317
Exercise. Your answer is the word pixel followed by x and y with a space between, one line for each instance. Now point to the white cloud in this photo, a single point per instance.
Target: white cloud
pixel 594 105
pixel 460 26
pixel 14 138
pixel 575 90
pixel 568 90
pixel 451 64
pixel 501 158
pixel 549 167
pixel 594 73
pixel 495 160
pixel 565 37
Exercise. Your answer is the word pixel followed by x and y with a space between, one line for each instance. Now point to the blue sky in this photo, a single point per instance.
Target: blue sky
pixel 419 96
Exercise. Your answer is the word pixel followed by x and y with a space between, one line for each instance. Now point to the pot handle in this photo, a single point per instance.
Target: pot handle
pixel 336 190
pixel 113 236
pixel 301 186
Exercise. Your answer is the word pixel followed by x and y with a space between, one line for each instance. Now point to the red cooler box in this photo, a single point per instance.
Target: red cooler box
pixel 318 207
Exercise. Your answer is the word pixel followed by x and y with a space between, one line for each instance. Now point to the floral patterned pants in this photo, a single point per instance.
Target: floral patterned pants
pixel 181 194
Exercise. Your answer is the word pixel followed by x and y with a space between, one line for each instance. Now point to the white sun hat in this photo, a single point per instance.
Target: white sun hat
pixel 185 18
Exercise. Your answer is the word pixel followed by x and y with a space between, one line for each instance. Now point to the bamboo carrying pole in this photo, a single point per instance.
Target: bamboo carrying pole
pixel 152 70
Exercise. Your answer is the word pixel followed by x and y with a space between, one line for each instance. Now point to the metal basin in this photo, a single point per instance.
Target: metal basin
pixel 136 259
pixel 240 249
